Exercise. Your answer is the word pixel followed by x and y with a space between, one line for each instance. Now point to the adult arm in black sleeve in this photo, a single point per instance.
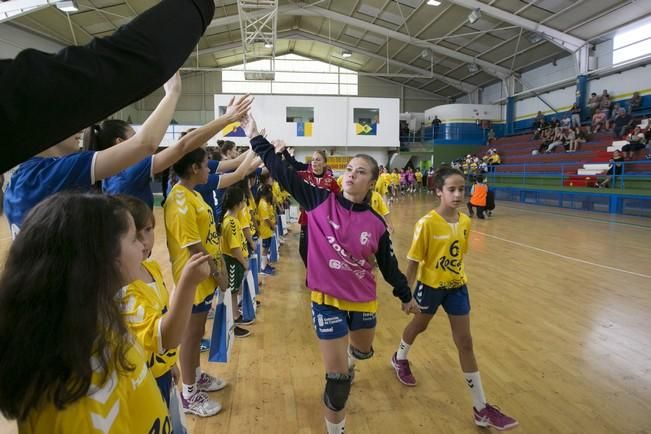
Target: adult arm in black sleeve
pixel 46 98
pixel 306 194
pixel 297 165
pixel 388 265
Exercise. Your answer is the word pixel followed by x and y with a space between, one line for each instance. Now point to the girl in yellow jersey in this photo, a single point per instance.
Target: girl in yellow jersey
pixel 236 252
pixel 436 262
pixel 82 372
pixel 157 324
pixel 267 226
pixel 190 228
pixel 379 206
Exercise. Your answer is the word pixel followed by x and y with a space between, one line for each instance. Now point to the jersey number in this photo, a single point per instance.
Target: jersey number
pixel 454 248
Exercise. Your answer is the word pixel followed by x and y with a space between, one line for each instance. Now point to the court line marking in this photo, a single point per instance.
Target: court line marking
pixel 571 258
pixel 577 217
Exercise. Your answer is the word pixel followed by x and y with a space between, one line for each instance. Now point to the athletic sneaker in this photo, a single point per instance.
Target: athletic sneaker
pixel 403 372
pixel 241 321
pixel 204 345
pixel 208 383
pixel 267 270
pixel 200 404
pixel 239 332
pixel 493 417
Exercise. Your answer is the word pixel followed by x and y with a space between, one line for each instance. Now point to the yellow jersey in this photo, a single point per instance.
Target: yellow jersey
pixel 265 212
pixel 340 181
pixel 378 205
pixel 233 236
pixel 419 177
pixel 144 305
pixel 277 194
pixel 395 178
pixel 438 247
pixel 253 214
pixel 244 217
pixel 382 184
pixel 188 221
pixel 127 402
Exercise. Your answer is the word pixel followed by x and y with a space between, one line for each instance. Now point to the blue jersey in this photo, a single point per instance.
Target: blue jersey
pixel 40 177
pixel 133 181
pixel 210 192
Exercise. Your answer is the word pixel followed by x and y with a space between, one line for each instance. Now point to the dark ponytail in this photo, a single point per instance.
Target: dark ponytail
pixel 102 136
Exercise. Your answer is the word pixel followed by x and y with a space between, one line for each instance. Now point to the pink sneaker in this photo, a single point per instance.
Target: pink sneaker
pixel 493 417
pixel 403 372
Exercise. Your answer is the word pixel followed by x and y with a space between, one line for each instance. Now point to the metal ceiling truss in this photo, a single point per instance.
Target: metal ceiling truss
pixel 17 8
pixel 258 21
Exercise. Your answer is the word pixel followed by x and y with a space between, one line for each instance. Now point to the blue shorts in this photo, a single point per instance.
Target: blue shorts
pixel 454 301
pixel 332 323
pixel 266 243
pixel 204 306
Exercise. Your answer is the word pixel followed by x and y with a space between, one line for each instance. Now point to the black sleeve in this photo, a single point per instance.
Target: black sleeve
pixel 49 97
pixel 297 165
pixel 307 195
pixel 388 265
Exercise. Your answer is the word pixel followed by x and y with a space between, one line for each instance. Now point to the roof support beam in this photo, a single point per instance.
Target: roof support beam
pixel 16 8
pixel 564 40
pixel 303 9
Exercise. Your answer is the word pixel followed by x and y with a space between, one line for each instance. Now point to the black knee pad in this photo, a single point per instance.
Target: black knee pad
pixel 337 390
pixel 360 355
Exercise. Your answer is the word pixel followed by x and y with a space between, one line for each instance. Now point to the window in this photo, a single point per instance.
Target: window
pixel 632 41
pixel 294 75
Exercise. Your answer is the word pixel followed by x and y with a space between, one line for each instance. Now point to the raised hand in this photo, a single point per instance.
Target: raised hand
pixel 249 126
pixel 174 84
pixel 238 108
pixel 279 146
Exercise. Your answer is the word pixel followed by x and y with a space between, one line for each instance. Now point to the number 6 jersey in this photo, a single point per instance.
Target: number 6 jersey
pixel 438 246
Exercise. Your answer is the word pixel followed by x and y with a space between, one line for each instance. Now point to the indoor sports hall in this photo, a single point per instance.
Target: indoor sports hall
pixel 326 216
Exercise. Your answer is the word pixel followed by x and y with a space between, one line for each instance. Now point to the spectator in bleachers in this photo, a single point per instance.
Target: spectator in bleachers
pixel 560 138
pixel 490 137
pixel 604 101
pixel 575 110
pixel 576 137
pixel 615 113
pixel 599 120
pixel 566 122
pixel 622 123
pixel 616 167
pixel 635 102
pixel 539 121
pixel 636 142
pixel 593 103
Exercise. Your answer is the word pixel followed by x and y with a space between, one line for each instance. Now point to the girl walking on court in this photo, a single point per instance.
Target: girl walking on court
pixel 436 265
pixel 347 239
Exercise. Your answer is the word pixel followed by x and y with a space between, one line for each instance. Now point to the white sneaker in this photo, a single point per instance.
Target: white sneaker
pixel 201 405
pixel 208 383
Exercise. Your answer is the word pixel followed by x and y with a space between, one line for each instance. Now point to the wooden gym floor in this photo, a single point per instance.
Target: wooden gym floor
pixel 561 304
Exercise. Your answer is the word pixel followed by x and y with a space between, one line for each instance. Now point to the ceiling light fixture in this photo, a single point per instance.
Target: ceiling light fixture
pixel 67 6
pixel 433 2
pixel 473 67
pixel 268 45
pixel 534 37
pixel 346 54
pixel 474 16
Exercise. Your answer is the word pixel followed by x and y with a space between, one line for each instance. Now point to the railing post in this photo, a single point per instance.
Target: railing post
pixel 562 173
pixel 622 175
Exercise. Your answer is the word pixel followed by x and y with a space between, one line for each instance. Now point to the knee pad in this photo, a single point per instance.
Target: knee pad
pixel 337 390
pixel 358 354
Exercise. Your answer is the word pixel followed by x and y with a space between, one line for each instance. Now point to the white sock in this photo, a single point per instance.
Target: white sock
pixel 189 390
pixel 403 349
pixel 263 261
pixel 351 359
pixel 335 428
pixel 473 380
pixel 197 374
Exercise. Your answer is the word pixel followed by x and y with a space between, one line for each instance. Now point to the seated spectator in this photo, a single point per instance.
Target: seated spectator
pixel 604 101
pixel 636 142
pixel 490 137
pixel 547 137
pixel 593 103
pixel 614 115
pixel 635 102
pixel 622 123
pixel 494 159
pixel 599 120
pixel 575 110
pixel 616 167
pixel 576 137
pixel 539 121
pixel 560 138
pixel 566 121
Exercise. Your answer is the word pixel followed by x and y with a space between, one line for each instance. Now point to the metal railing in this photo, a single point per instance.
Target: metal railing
pixel 555 174
pixel 447 133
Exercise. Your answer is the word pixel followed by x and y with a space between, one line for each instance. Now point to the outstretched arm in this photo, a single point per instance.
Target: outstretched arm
pixel 307 195
pixel 90 82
